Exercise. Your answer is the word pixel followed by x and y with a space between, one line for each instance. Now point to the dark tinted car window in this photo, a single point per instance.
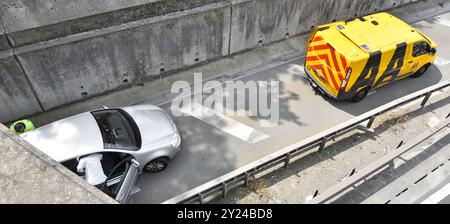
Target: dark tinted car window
pixel 420 48
pixel 118 130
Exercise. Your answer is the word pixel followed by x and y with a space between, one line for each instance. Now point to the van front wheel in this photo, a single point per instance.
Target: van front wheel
pixel 360 95
pixel 421 71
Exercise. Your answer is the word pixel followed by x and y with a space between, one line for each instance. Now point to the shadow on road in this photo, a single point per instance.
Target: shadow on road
pixel 311 158
pixel 390 92
pixel 204 156
pixel 207 153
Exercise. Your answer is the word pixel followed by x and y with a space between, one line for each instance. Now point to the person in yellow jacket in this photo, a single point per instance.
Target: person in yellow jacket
pixel 22 126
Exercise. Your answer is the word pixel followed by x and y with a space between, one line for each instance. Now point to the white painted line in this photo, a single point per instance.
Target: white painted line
pixel 441 61
pixel 442 21
pixel 226 124
pixel 438 196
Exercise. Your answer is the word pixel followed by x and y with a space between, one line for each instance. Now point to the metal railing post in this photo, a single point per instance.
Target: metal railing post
pixel 287 160
pixel 370 123
pixel 247 177
pixel 225 190
pixel 425 100
pixel 323 143
pixel 200 198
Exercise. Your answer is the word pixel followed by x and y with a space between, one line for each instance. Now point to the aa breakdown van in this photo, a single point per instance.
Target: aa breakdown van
pixel 347 59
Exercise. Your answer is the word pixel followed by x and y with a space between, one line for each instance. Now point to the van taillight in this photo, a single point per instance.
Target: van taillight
pixel 345 81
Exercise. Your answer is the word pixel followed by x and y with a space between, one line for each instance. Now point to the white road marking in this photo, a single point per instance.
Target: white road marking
pixel 296 69
pixel 438 196
pixel 442 21
pixel 441 61
pixel 226 124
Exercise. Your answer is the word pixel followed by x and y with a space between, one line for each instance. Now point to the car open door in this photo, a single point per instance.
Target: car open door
pixel 128 181
pixel 121 180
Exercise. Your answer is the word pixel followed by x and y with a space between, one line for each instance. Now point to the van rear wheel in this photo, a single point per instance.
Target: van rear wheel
pixel 421 71
pixel 360 95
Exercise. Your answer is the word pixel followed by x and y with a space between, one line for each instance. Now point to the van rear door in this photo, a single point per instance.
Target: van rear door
pixel 327 66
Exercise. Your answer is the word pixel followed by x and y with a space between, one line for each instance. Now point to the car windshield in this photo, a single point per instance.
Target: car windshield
pixel 118 130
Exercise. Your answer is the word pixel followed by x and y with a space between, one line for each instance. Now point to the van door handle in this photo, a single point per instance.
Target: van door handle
pixel 410 62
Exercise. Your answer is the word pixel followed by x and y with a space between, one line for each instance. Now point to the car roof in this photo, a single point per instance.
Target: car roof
pixel 380 31
pixel 68 138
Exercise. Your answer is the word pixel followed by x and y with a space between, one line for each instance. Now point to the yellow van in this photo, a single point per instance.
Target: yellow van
pixel 347 59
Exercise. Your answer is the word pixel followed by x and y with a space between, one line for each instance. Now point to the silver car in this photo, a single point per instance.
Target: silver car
pixel 145 132
pixel 136 138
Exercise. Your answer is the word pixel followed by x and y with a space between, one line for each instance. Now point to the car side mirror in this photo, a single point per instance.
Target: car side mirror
pixel 432 51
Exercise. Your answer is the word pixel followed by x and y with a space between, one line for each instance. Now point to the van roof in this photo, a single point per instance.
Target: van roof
pixel 380 31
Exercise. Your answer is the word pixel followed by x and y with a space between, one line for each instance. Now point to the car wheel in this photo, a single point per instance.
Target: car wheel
pixel 360 95
pixel 421 71
pixel 156 165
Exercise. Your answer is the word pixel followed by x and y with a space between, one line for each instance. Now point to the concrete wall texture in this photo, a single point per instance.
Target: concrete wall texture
pixel 57 52
pixel 29 176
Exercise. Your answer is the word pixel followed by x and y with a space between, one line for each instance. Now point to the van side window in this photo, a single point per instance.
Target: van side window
pixel 420 48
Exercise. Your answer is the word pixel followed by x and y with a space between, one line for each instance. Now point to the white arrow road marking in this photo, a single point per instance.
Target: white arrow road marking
pixel 226 124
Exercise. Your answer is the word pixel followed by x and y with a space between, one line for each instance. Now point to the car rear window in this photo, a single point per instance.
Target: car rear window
pixel 118 130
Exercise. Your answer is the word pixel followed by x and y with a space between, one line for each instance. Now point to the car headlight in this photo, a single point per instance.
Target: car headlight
pixel 176 140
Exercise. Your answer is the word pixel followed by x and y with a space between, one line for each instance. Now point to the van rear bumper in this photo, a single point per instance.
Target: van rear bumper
pixel 318 87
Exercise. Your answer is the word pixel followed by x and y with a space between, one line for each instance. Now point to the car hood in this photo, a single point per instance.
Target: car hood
pixel 154 123
pixel 69 138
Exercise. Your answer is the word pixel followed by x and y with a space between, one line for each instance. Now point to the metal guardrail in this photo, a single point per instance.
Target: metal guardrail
pixel 333 193
pixel 285 156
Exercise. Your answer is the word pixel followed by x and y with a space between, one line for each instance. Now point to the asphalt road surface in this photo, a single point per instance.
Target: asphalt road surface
pixel 214 146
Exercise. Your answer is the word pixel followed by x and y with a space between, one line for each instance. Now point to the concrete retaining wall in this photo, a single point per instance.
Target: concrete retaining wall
pixel 16 96
pixel 265 21
pixel 71 50
pixel 29 176
pixel 79 69
pixel 32 21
